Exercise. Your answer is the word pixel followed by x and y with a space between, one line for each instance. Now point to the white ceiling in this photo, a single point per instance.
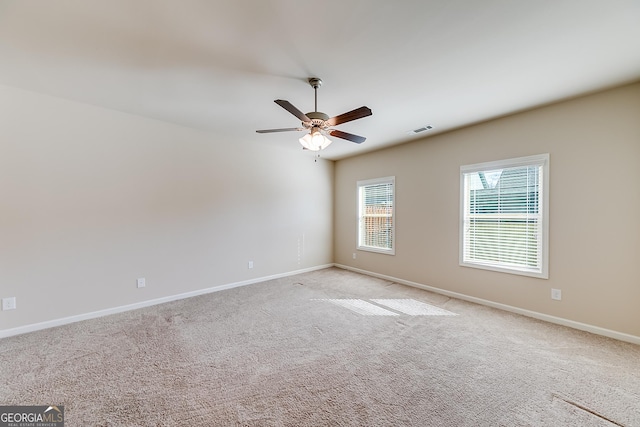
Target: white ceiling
pixel 218 65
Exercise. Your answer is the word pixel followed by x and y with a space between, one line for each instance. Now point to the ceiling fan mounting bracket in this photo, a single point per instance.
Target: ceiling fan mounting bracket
pixel 315 82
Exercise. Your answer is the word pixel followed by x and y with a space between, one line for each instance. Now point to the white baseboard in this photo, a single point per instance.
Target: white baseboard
pixel 540 316
pixel 100 313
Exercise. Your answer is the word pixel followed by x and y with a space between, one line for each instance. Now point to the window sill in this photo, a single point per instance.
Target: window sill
pixel 538 275
pixel 377 250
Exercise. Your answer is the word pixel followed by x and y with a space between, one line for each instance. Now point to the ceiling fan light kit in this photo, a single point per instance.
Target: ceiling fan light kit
pixel 319 124
pixel 314 141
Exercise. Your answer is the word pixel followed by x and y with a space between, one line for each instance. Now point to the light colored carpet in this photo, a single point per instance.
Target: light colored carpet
pixel 292 352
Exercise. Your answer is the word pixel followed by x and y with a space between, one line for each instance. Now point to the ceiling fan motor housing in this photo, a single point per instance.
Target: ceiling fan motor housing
pixel 318 119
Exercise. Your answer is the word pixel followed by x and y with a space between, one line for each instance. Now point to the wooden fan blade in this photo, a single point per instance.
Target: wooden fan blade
pixel 358 113
pixel 279 130
pixel 293 110
pixel 348 136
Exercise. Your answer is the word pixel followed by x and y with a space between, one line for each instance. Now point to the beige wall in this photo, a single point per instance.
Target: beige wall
pixel 594 147
pixel 92 199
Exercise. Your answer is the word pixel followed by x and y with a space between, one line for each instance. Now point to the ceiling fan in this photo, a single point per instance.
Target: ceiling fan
pixel 319 124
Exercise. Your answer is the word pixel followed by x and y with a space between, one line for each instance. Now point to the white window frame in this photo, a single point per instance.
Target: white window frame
pixel 542 269
pixel 360 202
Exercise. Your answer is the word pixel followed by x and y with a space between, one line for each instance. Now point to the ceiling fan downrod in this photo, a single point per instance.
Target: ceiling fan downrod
pixel 315 84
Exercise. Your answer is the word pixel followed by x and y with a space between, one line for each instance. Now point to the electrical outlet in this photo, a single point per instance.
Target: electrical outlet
pixel 556 294
pixel 354 255
pixel 141 282
pixel 250 264
pixel 9 303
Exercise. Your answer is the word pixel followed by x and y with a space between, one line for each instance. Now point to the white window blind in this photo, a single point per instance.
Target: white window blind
pixel 504 221
pixel 376 228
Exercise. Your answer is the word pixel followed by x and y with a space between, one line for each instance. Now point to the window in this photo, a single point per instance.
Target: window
pixel 504 215
pixel 376 229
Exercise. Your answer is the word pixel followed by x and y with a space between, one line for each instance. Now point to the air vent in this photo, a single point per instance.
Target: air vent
pixel 420 130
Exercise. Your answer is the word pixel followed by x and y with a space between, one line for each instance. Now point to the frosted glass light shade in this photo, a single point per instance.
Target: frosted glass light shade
pixel 315 141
